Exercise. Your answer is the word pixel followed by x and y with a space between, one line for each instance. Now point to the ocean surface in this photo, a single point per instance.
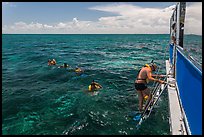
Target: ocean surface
pixel 38 99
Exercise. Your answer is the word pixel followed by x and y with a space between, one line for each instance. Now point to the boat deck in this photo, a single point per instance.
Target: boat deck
pixel 177 126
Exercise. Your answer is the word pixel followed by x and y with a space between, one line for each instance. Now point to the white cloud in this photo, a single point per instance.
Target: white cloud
pixel 61 25
pixel 75 20
pixel 193 19
pixel 47 26
pixel 129 19
pixel 136 17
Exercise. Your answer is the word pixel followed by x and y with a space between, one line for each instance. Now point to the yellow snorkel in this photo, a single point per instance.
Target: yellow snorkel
pixel 146 65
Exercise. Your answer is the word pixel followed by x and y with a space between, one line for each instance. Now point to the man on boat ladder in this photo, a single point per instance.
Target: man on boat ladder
pixel 143 77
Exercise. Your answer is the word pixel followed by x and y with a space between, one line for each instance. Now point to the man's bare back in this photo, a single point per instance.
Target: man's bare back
pixel 142 76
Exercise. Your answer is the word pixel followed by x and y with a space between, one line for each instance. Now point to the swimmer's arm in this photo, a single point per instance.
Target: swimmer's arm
pixel 155 75
pixel 149 75
pixel 98 85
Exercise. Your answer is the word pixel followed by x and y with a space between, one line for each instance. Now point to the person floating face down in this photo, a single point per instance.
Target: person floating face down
pixel 78 71
pixel 94 86
pixel 51 62
pixel 143 77
pixel 65 65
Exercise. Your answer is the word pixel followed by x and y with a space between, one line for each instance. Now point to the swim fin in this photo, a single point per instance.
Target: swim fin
pixel 137 117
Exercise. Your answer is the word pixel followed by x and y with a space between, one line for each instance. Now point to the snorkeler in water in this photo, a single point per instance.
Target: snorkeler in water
pixel 51 62
pixel 65 65
pixel 94 86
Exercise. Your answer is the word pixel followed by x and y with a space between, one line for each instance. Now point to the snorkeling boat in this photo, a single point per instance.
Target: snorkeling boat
pixel 184 83
pixel 185 97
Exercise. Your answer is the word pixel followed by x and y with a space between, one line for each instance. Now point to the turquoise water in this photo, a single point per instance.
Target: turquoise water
pixel 46 100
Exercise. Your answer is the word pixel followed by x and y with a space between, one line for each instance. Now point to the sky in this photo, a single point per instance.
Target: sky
pixel 96 17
